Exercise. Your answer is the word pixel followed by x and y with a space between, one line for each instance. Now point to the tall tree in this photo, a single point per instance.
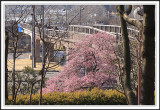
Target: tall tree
pixel 90 64
pixel 148 55
pixel 147 28
pixel 48 43
pixel 6 69
pixel 13 17
pixel 125 76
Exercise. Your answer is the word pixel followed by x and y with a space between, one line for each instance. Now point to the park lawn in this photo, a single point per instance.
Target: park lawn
pixel 21 63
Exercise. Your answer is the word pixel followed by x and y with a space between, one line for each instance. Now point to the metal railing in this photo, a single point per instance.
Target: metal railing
pixel 86 30
pixel 117 29
pixel 109 29
pixel 80 29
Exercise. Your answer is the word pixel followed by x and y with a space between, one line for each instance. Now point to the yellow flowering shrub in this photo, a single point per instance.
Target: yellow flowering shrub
pixel 93 97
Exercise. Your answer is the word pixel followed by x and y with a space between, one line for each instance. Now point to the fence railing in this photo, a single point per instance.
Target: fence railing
pixel 117 29
pixel 86 29
pixel 109 29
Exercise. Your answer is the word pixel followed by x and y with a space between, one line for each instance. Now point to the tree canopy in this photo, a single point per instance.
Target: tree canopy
pixel 90 65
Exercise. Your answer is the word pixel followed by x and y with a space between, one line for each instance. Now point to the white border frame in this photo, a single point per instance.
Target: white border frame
pixel 156 3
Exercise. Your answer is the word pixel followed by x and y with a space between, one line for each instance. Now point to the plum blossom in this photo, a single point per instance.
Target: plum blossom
pixel 90 65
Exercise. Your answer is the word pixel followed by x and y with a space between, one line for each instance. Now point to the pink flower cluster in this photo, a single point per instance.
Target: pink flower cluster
pixel 90 65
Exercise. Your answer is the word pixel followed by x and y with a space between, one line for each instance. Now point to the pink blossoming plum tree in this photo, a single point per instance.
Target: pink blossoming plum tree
pixel 90 64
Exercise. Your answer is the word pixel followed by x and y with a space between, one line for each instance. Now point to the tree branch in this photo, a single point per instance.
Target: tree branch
pixel 129 20
pixel 132 21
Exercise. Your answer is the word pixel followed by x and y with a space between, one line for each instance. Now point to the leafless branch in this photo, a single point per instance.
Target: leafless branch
pixel 129 20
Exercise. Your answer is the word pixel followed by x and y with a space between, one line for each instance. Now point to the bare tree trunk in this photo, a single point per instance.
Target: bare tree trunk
pixel 13 70
pixel 40 100
pixel 6 69
pixel 19 83
pixel 31 93
pixel 43 56
pixel 41 86
pixel 13 79
pixel 15 42
pixel 148 52
pixel 125 77
pixel 148 55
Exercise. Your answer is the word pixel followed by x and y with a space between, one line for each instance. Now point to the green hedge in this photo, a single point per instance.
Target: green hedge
pixel 93 97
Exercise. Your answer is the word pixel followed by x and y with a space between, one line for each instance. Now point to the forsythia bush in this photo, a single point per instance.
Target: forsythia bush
pixel 93 97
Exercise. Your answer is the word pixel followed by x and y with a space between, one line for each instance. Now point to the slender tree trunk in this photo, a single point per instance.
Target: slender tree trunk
pixel 41 86
pixel 40 101
pixel 15 42
pixel 42 79
pixel 19 84
pixel 13 69
pixel 6 69
pixel 31 93
pixel 125 77
pixel 13 79
pixel 148 55
pixel 43 56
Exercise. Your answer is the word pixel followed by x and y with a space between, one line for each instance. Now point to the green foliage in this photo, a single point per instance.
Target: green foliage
pixel 93 97
pixel 29 75
pixel 29 70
